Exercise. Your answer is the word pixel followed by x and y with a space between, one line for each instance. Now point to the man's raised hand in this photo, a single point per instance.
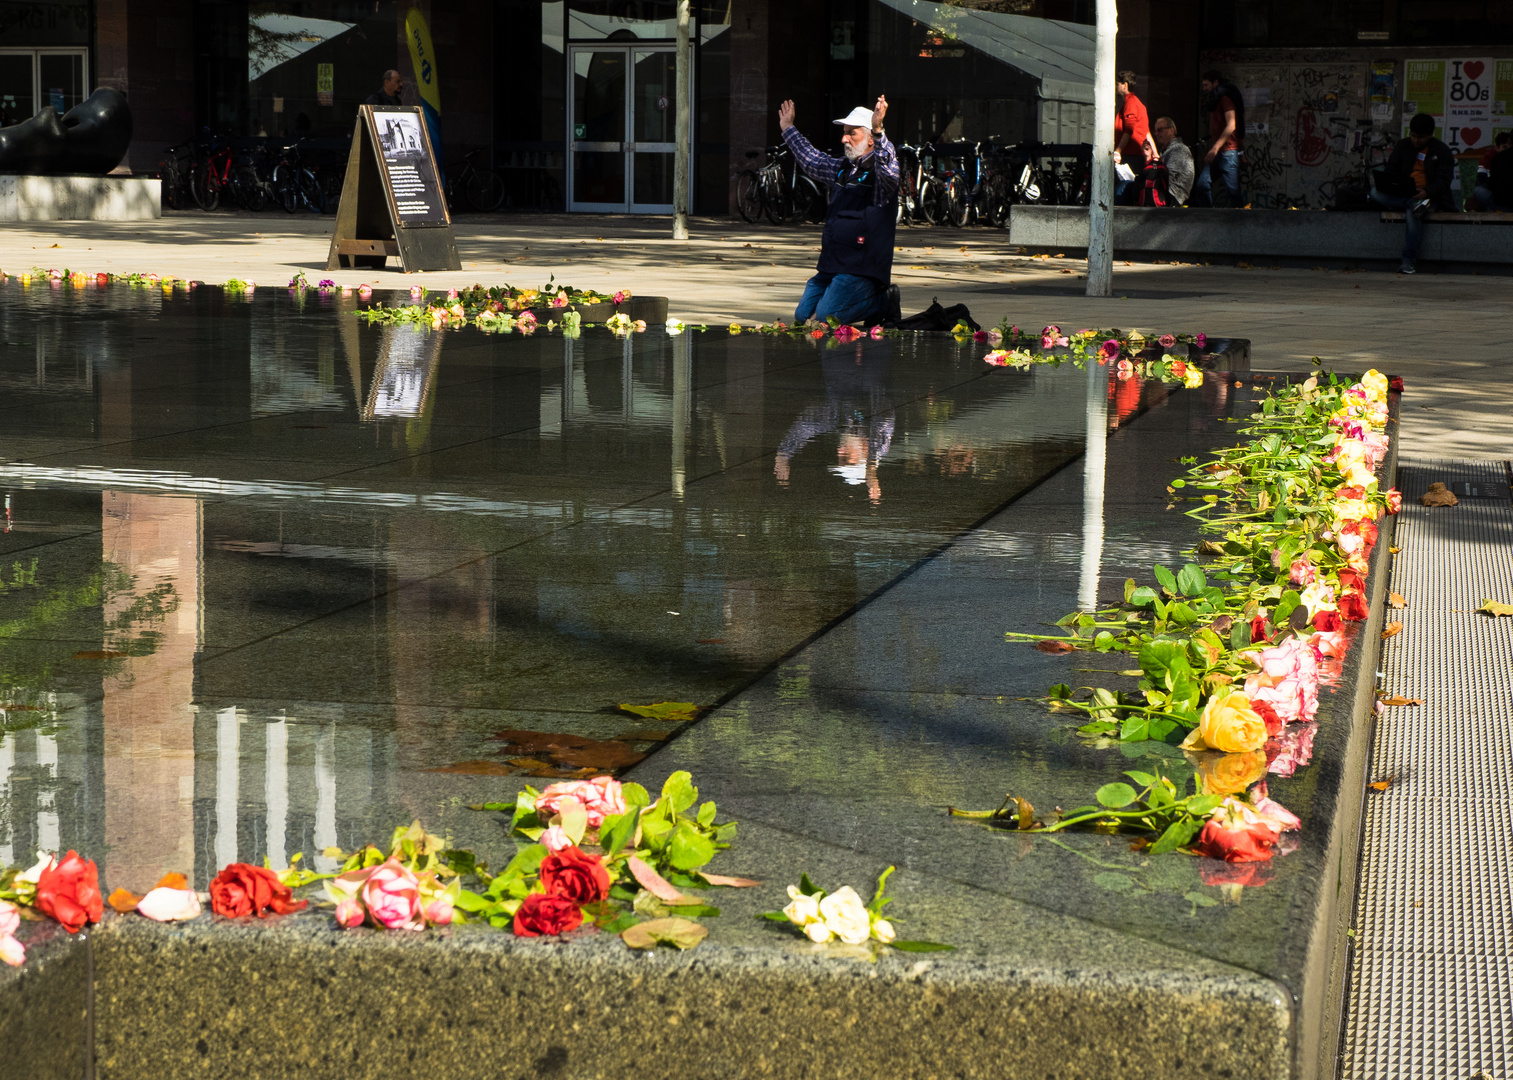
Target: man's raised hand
pixel 785 115
pixel 879 111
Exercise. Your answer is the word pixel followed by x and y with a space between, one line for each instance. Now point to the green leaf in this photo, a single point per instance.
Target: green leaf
pixel 808 887
pixel 1113 882
pixel 1144 596
pixel 634 795
pixel 1200 806
pixel 1190 580
pixel 1200 899
pixel 921 946
pixel 1129 589
pixel 1060 692
pixel 1115 795
pixel 689 849
pixel 1135 728
pixel 677 712
pixel 706 814
pixel 680 790
pixel 1099 727
pixel 1239 635
pixel 1182 614
pixel 1178 834
pixel 1144 779
pixel 1157 657
pixel 879 894
pixel 526 861
pixel 617 831
pixel 1168 582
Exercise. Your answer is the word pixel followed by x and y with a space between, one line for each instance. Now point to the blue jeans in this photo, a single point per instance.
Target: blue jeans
pixel 847 298
pixel 1226 165
pixel 1127 192
pixel 1484 197
pixel 1415 223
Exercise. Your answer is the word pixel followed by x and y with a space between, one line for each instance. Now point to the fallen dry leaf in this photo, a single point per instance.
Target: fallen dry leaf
pixel 477 768
pixel 123 900
pixel 1393 702
pixel 654 882
pixel 1394 550
pixel 1382 784
pixel 1392 629
pixel 1438 495
pixel 676 711
pixel 556 749
pixel 1396 600
pixel 1494 609
pixel 1054 645
pixel 683 933
pixel 172 881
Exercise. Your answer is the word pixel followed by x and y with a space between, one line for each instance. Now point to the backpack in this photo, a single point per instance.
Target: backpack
pixel 939 319
pixel 1154 191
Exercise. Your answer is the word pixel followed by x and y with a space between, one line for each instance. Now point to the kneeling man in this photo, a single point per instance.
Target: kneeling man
pixel 856 254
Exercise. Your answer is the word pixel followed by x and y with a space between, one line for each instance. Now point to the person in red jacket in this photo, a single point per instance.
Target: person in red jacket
pixel 1133 145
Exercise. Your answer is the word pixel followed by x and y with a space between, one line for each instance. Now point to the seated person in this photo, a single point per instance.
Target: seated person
pixel 1494 177
pixel 856 254
pixel 1178 159
pixel 1417 176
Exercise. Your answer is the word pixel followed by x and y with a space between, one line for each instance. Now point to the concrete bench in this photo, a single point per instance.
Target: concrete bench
pixel 1469 217
pixel 1362 236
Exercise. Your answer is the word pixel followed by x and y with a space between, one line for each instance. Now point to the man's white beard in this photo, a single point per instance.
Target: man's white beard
pixel 854 153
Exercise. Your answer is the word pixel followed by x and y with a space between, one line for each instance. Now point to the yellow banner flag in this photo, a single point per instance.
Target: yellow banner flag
pixel 423 56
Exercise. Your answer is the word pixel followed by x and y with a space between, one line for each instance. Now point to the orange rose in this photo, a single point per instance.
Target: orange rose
pixel 1230 774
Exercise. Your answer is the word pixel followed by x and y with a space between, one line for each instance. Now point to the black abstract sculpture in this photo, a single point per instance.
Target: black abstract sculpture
pixel 90 138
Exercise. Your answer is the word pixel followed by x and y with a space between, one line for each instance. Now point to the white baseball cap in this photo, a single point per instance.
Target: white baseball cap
pixel 857 117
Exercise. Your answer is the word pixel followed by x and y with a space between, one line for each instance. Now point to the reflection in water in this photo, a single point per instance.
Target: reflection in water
pixel 289 564
pixel 856 407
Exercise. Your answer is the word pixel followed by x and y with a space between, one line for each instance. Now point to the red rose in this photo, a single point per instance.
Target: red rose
pixel 242 889
pixel 69 891
pixel 1252 874
pixel 1353 606
pixel 1394 500
pixel 1242 842
pixel 1395 384
pixel 542 914
pixel 1274 723
pixel 1369 534
pixel 1356 492
pixel 576 875
pixel 1349 579
pixel 1327 621
pixel 1259 630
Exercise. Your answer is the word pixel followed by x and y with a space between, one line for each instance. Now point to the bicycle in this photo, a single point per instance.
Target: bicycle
pixel 780 190
pixel 210 176
pixel 922 193
pixel 482 188
pixel 294 185
pixel 173 176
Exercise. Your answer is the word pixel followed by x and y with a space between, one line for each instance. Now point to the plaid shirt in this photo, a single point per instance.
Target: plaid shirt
pixel 824 168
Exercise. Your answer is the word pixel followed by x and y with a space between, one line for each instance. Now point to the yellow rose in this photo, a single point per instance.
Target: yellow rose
pixel 1229 724
pixel 1375 385
pixel 1230 774
pixel 1193 380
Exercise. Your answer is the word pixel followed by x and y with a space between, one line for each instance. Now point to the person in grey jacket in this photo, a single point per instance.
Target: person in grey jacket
pixel 1177 158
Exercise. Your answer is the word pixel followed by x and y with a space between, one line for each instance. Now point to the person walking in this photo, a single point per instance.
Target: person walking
pixel 393 84
pixel 1132 138
pixel 1418 174
pixel 1226 134
pixel 855 270
pixel 1177 158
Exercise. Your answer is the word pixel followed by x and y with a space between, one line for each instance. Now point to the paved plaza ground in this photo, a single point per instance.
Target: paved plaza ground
pixel 1448 335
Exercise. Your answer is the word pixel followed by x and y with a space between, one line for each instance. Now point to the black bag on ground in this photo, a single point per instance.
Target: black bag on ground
pixel 938 318
pixel 1154 190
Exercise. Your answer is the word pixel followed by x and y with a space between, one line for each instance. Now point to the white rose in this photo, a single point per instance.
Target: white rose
pixel 818 932
pixel 34 875
pixel 883 931
pixel 804 911
pixel 1318 597
pixel 846 916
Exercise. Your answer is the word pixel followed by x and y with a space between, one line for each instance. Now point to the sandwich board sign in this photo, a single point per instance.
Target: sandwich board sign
pixel 391 200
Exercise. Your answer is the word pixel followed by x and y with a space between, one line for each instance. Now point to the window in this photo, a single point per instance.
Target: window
pixel 33 78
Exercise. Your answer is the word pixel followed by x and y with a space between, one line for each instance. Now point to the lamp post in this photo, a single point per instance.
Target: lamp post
pixel 1100 211
pixel 681 126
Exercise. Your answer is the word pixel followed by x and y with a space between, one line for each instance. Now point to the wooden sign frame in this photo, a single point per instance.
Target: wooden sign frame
pixel 370 227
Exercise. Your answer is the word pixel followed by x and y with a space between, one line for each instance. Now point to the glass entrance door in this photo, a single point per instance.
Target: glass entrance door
pixel 32 78
pixel 621 128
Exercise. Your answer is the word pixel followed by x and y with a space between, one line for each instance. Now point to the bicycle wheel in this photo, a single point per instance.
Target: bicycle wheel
pixel 248 189
pixel 169 184
pixel 995 197
pixel 285 191
pixel 931 207
pixel 777 200
pixel 958 202
pixel 748 196
pixel 484 190
pixel 808 201
pixel 309 191
pixel 205 188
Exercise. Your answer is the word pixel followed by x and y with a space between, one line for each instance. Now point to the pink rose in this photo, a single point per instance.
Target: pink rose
pixel 1108 350
pixel 349 913
pixel 169 905
pixel 1290 750
pixel 11 950
pixel 1168 341
pixel 556 839
pixel 416 292
pixel 1302 572
pixel 1288 680
pixel 847 333
pixel 876 332
pixel 1201 340
pixel 451 294
pixel 365 292
pixel 1125 369
pixel 392 897
pixel 1394 500
pixel 600 796
pixel 998 358
pixel 1281 817
pixel 621 296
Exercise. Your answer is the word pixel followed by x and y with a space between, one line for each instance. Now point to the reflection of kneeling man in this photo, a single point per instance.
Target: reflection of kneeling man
pixel 856 255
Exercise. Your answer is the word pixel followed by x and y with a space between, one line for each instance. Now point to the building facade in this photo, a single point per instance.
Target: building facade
pixel 573 100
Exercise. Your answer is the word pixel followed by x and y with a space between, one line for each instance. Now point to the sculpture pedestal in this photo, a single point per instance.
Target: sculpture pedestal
pixel 80 198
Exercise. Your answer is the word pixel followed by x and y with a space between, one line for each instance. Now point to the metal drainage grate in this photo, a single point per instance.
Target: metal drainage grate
pixel 1432 978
